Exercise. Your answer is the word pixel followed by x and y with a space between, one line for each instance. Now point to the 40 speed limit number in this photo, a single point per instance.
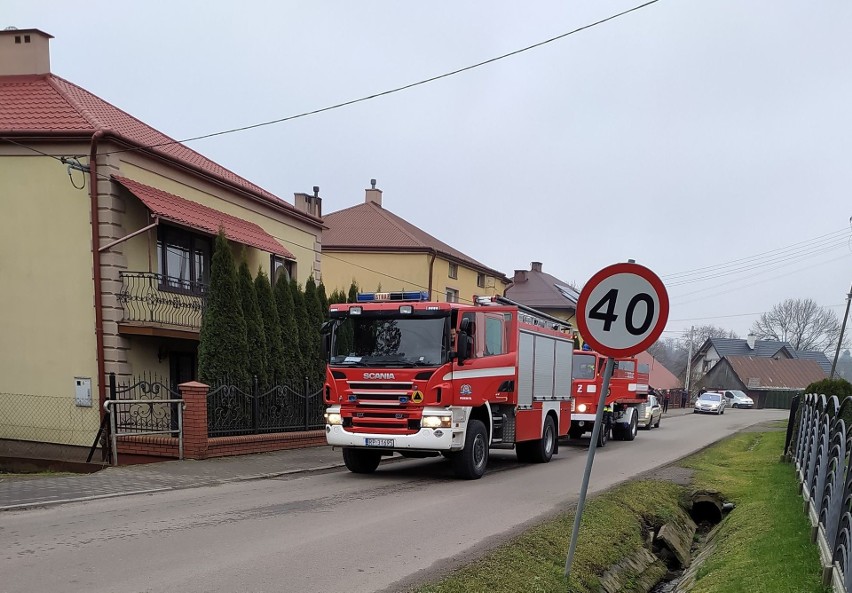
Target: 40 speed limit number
pixel 622 310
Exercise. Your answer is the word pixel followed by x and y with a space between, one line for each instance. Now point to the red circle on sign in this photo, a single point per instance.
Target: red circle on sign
pixel 608 272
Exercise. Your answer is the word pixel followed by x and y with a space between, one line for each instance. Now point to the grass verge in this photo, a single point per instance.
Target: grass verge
pixel 763 545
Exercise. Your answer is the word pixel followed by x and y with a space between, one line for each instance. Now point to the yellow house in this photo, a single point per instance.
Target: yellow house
pixel 106 230
pixel 374 247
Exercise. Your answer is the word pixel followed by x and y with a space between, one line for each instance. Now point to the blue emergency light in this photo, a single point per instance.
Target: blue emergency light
pixel 378 297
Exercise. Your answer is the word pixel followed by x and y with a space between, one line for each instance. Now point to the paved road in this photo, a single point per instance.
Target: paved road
pixel 319 532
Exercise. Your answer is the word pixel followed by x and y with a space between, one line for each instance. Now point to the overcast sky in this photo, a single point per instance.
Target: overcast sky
pixel 684 135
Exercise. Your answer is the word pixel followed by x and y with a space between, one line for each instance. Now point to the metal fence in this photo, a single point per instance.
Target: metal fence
pixel 820 444
pixel 52 419
pixel 154 298
pixel 240 410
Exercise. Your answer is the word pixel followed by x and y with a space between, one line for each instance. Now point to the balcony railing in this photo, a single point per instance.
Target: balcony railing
pixel 150 298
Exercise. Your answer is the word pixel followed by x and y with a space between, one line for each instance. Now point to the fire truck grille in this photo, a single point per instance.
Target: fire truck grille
pixel 381 393
pixel 389 421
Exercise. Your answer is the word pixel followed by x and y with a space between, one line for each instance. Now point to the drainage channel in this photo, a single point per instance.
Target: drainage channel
pixel 680 546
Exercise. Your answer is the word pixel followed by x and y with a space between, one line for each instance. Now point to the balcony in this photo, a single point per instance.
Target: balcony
pixel 156 305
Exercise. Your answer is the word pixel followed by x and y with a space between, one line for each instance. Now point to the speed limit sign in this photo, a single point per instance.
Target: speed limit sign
pixel 622 310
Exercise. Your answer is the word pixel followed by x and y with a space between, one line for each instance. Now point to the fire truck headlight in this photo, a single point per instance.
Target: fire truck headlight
pixel 581 408
pixel 436 421
pixel 332 418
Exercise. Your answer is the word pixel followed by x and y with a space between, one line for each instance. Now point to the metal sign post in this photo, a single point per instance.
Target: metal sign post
pixel 596 430
pixel 621 311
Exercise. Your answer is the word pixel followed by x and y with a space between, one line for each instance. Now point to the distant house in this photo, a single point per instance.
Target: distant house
pixel 372 246
pixel 715 349
pixel 539 290
pixel 770 382
pixel 661 378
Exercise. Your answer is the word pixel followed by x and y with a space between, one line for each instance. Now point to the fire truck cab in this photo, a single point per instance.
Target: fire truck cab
pixel 628 394
pixel 420 378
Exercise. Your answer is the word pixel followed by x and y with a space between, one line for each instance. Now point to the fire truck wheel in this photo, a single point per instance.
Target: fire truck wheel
pixel 360 461
pixel 541 451
pixel 603 435
pixel 632 428
pixel 470 463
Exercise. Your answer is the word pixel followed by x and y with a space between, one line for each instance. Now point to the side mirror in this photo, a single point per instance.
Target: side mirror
pixel 326 332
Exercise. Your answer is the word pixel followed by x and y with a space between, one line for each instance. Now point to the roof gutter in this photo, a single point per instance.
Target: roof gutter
pixel 96 268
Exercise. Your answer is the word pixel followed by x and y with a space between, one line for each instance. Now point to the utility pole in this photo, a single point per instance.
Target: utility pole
pixel 842 330
pixel 689 363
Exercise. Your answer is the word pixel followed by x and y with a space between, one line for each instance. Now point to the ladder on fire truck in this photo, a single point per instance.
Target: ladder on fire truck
pixel 534 316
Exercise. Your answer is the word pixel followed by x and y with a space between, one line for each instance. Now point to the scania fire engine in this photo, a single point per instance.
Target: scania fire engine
pixel 425 378
pixel 626 400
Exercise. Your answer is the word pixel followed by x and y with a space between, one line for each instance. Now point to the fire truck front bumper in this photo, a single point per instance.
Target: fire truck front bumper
pixel 443 437
pixel 426 439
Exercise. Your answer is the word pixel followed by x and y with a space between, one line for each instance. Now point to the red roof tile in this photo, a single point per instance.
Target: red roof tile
pixel 203 218
pixel 369 226
pixel 47 104
pixel 757 372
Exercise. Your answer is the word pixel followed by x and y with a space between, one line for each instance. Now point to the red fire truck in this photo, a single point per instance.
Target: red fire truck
pixel 625 403
pixel 426 378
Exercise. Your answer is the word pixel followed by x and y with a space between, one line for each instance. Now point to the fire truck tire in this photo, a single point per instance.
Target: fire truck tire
pixel 632 429
pixel 360 461
pixel 603 435
pixel 540 450
pixel 470 462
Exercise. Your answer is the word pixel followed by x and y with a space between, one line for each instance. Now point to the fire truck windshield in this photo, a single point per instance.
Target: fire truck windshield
pixel 583 366
pixel 390 341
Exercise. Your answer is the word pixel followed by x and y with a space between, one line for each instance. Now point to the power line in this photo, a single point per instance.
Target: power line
pixel 744 262
pixel 393 90
pixel 761 281
pixel 786 259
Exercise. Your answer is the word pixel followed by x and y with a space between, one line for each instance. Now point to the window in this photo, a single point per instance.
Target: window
pixel 495 335
pixel 454 271
pixel 183 259
pixel 279 266
pixel 452 295
pixel 480 280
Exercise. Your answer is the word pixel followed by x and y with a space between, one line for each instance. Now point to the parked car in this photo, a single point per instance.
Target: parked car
pixel 651 413
pixel 710 402
pixel 738 399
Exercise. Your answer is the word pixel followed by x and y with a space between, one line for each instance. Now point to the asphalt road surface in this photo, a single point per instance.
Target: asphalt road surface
pixel 322 532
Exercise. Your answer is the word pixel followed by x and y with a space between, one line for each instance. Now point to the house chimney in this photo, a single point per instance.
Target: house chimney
pixel 536 266
pixel 374 196
pixel 24 51
pixel 309 204
pixel 750 341
pixel 520 276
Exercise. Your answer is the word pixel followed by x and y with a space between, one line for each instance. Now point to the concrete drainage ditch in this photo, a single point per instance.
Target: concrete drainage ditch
pixel 673 552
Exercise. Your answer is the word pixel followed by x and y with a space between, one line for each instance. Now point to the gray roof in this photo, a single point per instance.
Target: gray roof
pixel 767 349
pixel 542 291
pixel 818 357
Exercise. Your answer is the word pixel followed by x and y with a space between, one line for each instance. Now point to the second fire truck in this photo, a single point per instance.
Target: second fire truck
pixel 420 378
pixel 626 400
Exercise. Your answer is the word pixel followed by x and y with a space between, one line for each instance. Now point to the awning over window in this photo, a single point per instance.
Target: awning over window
pixel 202 218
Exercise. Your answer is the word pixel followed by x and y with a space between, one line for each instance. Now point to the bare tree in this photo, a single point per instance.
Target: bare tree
pixel 802 323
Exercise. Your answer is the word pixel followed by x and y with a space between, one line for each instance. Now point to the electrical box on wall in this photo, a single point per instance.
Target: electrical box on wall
pixel 83 391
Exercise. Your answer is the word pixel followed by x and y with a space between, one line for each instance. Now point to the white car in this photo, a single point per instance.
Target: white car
pixel 738 399
pixel 710 402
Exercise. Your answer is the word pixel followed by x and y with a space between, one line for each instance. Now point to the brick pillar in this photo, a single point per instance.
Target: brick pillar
pixel 194 419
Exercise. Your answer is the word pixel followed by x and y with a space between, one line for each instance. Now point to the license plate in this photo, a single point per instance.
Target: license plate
pixel 379 442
